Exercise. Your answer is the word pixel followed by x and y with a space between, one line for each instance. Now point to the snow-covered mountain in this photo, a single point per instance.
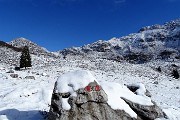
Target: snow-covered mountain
pixel 21 42
pixel 151 42
pixel 33 47
pixel 10 52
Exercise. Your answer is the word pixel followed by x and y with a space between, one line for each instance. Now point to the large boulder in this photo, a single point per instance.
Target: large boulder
pixel 75 99
pixel 85 106
pixel 145 112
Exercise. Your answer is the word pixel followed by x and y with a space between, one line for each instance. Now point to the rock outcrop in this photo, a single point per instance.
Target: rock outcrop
pixel 91 103
pixel 146 112
pixel 85 106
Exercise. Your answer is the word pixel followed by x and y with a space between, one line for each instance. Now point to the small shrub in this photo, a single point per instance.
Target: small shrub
pixel 17 68
pixel 159 69
pixel 175 74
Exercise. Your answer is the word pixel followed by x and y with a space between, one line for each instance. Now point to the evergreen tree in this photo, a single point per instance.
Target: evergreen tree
pixel 25 60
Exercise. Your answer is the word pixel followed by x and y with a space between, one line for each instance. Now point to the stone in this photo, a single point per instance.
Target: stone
pixel 14 75
pixel 30 77
pixel 17 68
pixel 147 93
pixel 146 112
pixel 134 88
pixel 10 71
pixel 156 82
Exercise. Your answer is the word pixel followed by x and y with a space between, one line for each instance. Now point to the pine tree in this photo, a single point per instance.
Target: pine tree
pixel 25 60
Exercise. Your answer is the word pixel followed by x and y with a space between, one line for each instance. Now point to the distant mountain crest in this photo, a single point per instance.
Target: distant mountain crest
pixel 151 42
pixel 34 48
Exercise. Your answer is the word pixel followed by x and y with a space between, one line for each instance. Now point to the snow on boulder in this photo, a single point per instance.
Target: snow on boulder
pixel 72 81
pixel 2 68
pixel 3 117
pixel 44 74
pixel 139 89
pixel 10 71
pixel 78 95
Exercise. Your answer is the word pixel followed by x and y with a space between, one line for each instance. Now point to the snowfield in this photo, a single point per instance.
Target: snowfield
pixel 29 99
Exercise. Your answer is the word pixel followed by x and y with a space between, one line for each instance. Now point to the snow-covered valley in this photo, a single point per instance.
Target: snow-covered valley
pixel 29 99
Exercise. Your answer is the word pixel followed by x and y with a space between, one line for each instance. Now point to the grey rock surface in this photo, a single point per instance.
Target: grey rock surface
pixel 14 75
pixel 30 77
pixel 146 112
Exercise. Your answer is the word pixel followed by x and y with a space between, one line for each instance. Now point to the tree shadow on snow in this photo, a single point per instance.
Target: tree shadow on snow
pixel 14 114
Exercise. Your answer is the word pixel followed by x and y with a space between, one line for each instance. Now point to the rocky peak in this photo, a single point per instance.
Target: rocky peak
pixel 172 24
pixel 21 42
pixel 168 26
pixel 34 48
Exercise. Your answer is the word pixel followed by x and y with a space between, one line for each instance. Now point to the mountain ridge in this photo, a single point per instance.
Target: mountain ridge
pixel 151 42
pixel 21 42
pixel 33 47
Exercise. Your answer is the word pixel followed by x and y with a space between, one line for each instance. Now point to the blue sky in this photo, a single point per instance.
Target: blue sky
pixel 59 24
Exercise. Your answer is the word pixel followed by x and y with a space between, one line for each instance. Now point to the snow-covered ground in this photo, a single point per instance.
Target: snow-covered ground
pixel 29 99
